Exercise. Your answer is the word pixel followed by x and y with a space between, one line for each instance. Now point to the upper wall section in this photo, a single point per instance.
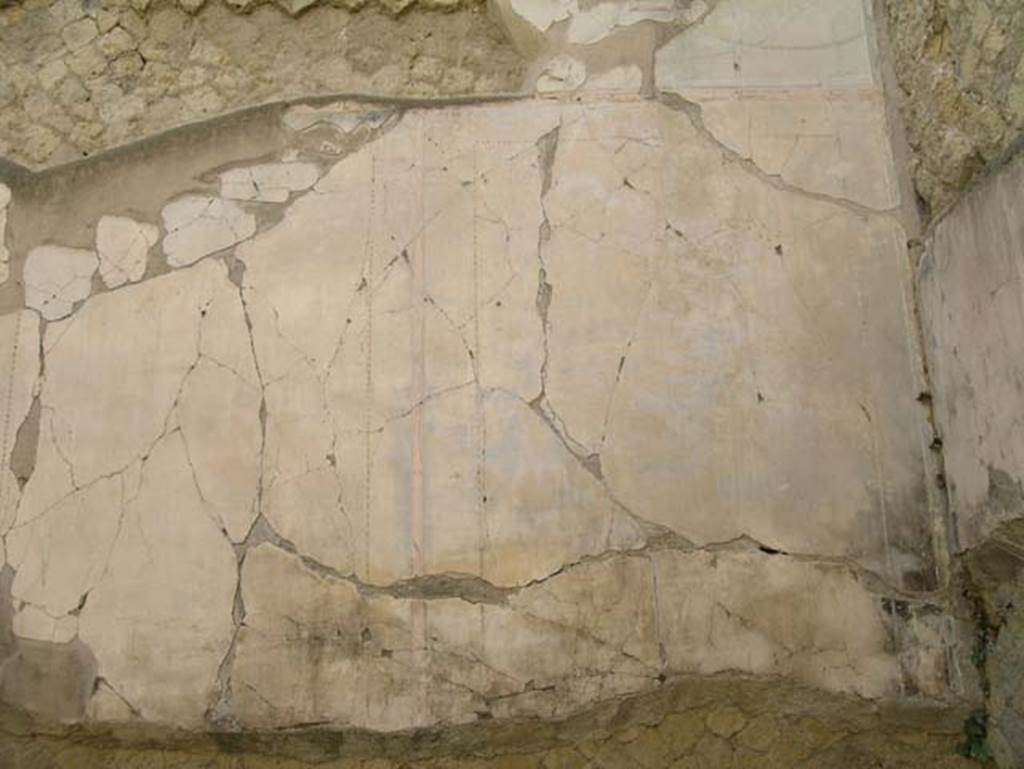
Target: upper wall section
pixel 960 66
pixel 79 77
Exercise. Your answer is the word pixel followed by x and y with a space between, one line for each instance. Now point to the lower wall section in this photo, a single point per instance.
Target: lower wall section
pixel 714 723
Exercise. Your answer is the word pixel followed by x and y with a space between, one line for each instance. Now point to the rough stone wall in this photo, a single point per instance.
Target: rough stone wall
pixel 972 300
pixel 720 723
pixel 77 78
pixel 367 414
pixel 960 64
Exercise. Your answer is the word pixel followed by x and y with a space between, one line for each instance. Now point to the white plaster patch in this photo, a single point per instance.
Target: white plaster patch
pixel 123 244
pixel 562 73
pixel 594 23
pixel 589 23
pixel 269 183
pixel 56 278
pixel 198 225
pixel 543 13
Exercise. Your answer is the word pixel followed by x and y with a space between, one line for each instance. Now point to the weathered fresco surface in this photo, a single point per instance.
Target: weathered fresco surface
pixel 360 415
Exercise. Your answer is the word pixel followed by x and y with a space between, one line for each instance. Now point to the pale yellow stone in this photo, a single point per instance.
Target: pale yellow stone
pixel 726 721
pixel 79 33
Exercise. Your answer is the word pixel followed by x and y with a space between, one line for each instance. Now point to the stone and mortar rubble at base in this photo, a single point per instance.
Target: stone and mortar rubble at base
pixel 360 385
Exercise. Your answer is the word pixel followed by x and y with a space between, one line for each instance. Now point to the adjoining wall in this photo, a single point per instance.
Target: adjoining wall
pixel 367 414
pixel 971 289
pixel 972 302
pixel 961 69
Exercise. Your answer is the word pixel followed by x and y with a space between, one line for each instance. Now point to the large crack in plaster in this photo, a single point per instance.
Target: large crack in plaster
pixel 694 113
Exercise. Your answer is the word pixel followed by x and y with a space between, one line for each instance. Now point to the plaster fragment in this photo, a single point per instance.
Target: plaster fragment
pixel 269 183
pixel 543 13
pixel 198 225
pixel 56 278
pixel 122 245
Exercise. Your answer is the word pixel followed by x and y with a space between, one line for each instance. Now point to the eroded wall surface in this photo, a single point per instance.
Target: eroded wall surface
pixel 699 723
pixel 960 67
pixel 390 416
pixel 77 78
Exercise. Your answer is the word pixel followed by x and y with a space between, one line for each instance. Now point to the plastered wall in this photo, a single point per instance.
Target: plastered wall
pixel 362 412
pixel 970 289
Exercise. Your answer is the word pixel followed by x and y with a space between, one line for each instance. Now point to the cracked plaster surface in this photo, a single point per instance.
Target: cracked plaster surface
pixel 56 278
pixel 494 359
pixel 517 407
pixel 268 183
pixel 797 95
pixel 123 245
pixel 198 225
pixel 425 662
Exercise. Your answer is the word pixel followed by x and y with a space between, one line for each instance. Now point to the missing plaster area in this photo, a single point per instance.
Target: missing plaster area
pixel 114 72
